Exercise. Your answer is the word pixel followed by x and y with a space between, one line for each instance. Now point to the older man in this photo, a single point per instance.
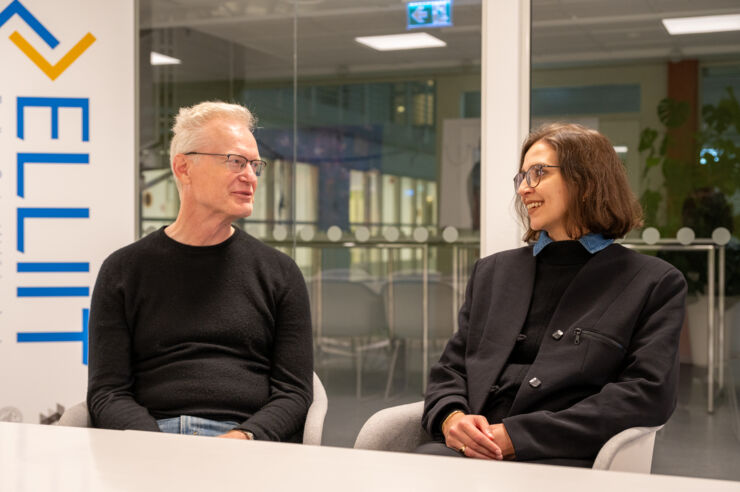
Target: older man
pixel 199 328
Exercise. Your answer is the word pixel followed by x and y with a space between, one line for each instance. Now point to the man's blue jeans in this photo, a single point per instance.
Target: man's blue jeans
pixel 194 426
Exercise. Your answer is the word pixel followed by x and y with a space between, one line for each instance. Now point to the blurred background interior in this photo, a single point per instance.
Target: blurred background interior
pixel 373 183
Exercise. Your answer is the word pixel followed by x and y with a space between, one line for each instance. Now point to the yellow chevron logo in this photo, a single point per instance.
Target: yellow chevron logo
pixel 52 71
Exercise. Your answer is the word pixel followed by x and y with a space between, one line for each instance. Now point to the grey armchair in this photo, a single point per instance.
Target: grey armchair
pixel 78 416
pixel 349 322
pixel 405 321
pixel 399 429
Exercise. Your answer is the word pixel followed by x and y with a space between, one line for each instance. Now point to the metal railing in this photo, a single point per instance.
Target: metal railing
pixel 715 331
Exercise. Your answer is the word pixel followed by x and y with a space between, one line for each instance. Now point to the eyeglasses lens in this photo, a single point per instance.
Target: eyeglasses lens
pixel 235 163
pixel 532 177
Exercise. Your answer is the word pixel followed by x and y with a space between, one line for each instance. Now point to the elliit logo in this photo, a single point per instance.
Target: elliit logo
pixel 52 71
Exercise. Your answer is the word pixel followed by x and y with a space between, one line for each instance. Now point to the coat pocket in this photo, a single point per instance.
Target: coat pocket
pixel 602 355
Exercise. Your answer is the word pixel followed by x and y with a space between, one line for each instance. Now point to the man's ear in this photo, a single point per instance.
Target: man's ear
pixel 181 168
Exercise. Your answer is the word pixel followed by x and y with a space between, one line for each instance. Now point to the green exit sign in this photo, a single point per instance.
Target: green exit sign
pixel 437 13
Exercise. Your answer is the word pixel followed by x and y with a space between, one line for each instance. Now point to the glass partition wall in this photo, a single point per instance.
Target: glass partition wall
pixel 669 103
pixel 374 185
pixel 373 179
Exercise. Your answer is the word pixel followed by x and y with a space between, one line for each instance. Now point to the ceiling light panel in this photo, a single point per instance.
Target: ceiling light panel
pixel 160 59
pixel 395 42
pixel 704 24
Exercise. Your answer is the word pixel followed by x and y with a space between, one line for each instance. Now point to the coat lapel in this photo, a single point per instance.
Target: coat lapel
pixel 510 293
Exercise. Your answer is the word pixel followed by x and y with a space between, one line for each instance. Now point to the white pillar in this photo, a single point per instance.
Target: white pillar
pixel 505 66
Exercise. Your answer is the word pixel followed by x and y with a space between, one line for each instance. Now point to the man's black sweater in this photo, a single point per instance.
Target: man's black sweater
pixel 221 332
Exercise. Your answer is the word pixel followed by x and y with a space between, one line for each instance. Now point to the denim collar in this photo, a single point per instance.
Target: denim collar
pixel 592 242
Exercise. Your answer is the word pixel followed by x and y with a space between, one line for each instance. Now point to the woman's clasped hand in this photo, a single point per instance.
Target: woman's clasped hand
pixel 474 437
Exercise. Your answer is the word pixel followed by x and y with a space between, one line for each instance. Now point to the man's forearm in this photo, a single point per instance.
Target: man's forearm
pixel 120 412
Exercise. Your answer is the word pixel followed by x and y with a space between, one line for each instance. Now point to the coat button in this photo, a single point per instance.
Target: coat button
pixel 534 382
pixel 557 335
pixel 521 337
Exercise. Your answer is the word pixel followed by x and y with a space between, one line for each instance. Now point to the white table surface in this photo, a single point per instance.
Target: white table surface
pixel 37 458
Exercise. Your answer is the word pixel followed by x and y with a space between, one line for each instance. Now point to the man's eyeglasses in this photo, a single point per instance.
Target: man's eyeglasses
pixel 237 163
pixel 532 175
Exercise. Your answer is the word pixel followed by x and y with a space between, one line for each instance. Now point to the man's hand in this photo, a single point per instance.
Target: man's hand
pixel 501 437
pixel 472 436
pixel 234 434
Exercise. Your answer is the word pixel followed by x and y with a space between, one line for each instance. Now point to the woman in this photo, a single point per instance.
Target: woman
pixel 568 341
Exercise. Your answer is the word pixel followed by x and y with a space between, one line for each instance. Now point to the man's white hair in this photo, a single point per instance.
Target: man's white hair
pixel 190 122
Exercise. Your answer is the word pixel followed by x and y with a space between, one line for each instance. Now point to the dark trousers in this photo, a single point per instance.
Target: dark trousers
pixel 439 448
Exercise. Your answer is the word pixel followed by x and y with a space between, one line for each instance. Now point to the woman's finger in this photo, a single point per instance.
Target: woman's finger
pixel 469 435
pixel 483 439
pixel 472 453
pixel 457 446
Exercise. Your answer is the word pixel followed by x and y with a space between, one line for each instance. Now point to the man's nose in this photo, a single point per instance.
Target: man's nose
pixel 248 173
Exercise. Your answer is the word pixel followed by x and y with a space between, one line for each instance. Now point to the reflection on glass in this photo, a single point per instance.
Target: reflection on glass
pixel 354 138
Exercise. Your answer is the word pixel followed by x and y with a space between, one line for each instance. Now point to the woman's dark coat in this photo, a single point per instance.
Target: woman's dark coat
pixel 614 366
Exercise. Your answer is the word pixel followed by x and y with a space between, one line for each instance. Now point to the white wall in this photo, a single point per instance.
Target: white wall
pixel 505 60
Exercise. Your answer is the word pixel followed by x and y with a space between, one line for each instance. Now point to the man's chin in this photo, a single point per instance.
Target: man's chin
pixel 244 212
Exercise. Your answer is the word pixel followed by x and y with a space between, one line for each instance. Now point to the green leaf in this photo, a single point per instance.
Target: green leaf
pixel 673 113
pixel 650 162
pixel 647 138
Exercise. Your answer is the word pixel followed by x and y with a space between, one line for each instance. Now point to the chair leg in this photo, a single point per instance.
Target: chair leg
pixel 392 368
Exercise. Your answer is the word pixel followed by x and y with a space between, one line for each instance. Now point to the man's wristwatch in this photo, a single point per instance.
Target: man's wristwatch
pixel 249 435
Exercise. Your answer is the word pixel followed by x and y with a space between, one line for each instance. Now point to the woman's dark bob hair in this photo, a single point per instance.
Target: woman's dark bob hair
pixel 600 197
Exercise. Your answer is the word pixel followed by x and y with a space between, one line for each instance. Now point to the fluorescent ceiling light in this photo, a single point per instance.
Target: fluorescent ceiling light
pixel 160 59
pixel 709 23
pixel 620 149
pixel 410 41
